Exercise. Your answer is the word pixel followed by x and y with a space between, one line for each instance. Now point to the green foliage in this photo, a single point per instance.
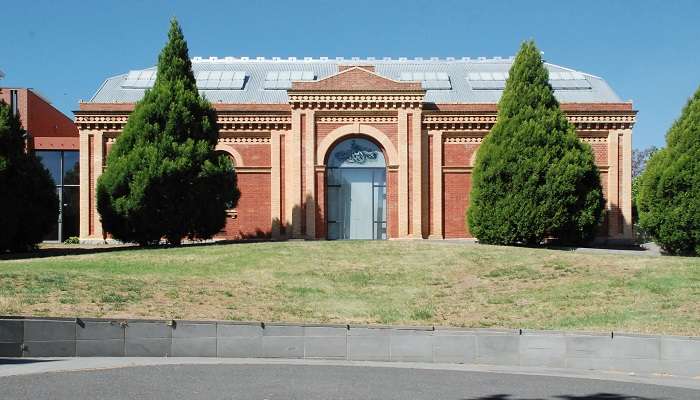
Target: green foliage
pixel 163 178
pixel 669 196
pixel 72 240
pixel 28 201
pixel 533 178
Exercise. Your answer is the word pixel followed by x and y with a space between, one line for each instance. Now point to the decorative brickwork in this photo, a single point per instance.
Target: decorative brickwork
pixel 280 151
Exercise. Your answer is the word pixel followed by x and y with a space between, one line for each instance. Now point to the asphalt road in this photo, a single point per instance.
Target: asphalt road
pixel 311 382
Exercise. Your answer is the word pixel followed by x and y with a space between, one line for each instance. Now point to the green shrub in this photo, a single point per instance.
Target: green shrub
pixel 533 178
pixel 28 200
pixel 72 240
pixel 163 178
pixel 669 196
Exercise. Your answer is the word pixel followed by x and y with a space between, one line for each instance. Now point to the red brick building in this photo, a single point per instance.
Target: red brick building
pixel 54 139
pixel 365 149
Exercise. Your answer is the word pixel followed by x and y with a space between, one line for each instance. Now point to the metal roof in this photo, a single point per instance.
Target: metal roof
pixel 114 90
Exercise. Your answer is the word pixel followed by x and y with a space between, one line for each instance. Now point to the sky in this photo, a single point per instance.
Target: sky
pixel 648 51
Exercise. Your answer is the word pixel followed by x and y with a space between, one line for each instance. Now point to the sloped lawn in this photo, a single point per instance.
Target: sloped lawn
pixel 389 282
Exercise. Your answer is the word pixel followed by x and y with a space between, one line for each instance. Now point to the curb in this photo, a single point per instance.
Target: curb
pixel 96 337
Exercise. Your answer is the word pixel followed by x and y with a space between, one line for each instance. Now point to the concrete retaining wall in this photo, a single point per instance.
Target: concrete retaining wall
pixel 56 337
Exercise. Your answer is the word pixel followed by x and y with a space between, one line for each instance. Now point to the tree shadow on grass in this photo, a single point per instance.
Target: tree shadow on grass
pixel 596 396
pixel 74 250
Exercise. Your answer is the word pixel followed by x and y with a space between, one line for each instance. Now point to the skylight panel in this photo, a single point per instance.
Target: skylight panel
pixel 429 80
pixel 283 79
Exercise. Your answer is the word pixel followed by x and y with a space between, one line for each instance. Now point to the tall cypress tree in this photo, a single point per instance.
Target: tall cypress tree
pixel 28 200
pixel 533 178
pixel 669 197
pixel 163 178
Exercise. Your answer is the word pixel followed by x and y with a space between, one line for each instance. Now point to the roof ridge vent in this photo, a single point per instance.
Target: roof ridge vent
pixel 466 58
pixel 291 58
pixel 197 59
pixel 245 58
pixel 276 58
pixel 418 59
pixel 449 58
pixel 403 59
pixel 308 58
pixel 434 58
pixel 482 58
pixel 340 59
pixel 229 59
pixel 324 58
pixel 386 58
pixel 356 59
pixel 370 58
pixel 213 59
pixel 260 58
pixel 497 58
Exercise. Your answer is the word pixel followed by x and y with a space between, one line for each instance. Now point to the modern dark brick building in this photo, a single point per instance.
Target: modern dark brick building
pixel 366 149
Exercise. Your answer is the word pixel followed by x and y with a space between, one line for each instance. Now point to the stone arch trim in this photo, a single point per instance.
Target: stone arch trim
pixel 230 150
pixel 324 147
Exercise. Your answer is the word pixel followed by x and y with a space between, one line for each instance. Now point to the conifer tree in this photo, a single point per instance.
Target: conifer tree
pixel 28 200
pixel 163 178
pixel 669 197
pixel 533 178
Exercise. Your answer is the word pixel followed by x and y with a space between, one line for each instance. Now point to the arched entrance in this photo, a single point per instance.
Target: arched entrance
pixel 356 191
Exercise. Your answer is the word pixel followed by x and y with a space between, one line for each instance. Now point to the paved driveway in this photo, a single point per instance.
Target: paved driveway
pixel 299 380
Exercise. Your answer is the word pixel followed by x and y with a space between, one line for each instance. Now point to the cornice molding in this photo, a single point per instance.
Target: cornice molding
pixel 355 100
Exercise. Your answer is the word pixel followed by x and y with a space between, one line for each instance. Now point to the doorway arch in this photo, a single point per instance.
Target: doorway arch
pixel 356 190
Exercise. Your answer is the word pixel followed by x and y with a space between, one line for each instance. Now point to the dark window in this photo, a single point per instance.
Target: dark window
pixel 65 172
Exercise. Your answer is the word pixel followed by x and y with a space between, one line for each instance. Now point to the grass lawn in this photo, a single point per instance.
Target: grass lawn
pixel 387 282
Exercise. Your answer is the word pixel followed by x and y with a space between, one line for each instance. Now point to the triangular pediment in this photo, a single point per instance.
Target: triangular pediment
pixel 356 79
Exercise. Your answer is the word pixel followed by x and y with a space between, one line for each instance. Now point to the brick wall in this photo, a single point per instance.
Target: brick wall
pixel 253 209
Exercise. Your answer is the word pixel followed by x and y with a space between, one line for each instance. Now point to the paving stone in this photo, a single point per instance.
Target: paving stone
pixel 368 347
pixel 233 330
pixel 193 347
pixel 283 346
pixel 459 349
pixel 47 330
pixel 147 347
pixel 413 348
pixel 99 330
pixel 635 347
pixel 194 330
pixel 588 346
pixel 543 351
pixel 283 330
pixel 498 349
pixel 148 330
pixel 99 348
pixel 11 331
pixel 60 348
pixel 680 349
pixel 334 347
pixel 241 346
pixel 11 349
pixel 325 331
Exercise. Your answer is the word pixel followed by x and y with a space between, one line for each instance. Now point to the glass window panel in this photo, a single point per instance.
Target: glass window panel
pixel 474 76
pixel 356 153
pixel 202 75
pixel 418 76
pixel 239 75
pixel 71 168
pixel 430 76
pixel 215 75
pixel 442 76
pixel 227 75
pixel 51 161
pixel 406 76
pixel 271 76
pixel 70 218
pixel 295 75
pixel 486 76
pixel 567 76
pixel 308 76
pixel 283 76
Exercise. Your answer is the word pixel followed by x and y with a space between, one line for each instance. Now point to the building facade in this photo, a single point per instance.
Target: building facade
pixel 360 149
pixel 53 137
